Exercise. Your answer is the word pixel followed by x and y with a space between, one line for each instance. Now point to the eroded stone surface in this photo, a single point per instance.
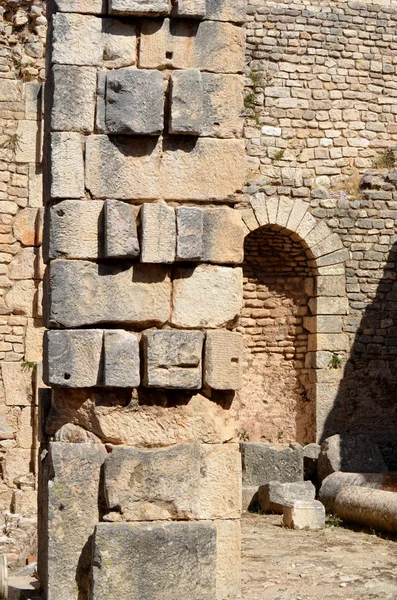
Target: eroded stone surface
pixel 190 222
pixel 76 40
pixel 158 233
pixel 173 359
pixel 223 236
pixel 121 235
pixel 118 43
pixel 73 106
pixel 223 368
pixel 121 359
pixel 67 165
pixel 274 495
pixel 138 8
pixel 186 102
pixel 266 462
pixel 304 514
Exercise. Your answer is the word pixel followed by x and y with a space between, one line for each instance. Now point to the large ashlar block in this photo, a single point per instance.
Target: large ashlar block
pixel 125 168
pixel 173 359
pixel 73 107
pixel 112 419
pixel 139 8
pixel 274 495
pixel 223 236
pixel 228 560
pixel 68 512
pixel 189 9
pixel 331 285
pixel 333 342
pixel 223 362
pixel 134 102
pixel 226 10
pixel 121 359
pixel 121 235
pixel 175 169
pixel 222 102
pixel 85 293
pixel 118 44
pixel 30 142
pixel 202 169
pixel 158 233
pixel 75 229
pixel 186 102
pixel 190 222
pixel 263 463
pixel 206 296
pixel 67 165
pixel 160 561
pixel 72 358
pixel 76 40
pixel 183 482
pixel 327 305
pixel 97 7
pixel 209 46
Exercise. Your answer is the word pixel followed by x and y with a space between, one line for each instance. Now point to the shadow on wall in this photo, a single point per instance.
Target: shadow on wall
pixel 366 401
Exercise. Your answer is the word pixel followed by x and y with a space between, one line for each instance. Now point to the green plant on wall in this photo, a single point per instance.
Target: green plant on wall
pixel 385 160
pixel 249 100
pixel 335 362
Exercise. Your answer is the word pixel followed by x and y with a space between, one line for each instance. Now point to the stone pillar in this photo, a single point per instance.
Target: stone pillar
pixel 140 472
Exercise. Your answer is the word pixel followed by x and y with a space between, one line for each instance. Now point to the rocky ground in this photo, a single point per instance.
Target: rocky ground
pixel 337 562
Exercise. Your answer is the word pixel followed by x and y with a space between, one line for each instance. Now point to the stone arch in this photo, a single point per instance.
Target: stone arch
pixel 326 256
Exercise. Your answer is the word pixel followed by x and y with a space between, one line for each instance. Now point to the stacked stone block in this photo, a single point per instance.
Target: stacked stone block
pixel 142 288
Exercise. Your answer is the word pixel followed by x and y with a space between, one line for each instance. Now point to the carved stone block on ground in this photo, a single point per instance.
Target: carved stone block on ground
pixel 173 359
pixel 223 361
pixel 274 495
pixel 73 107
pixel 72 358
pixel 121 236
pixel 206 296
pixel 158 233
pixel 84 293
pixel 75 229
pixel 68 513
pixel 76 40
pixel 349 453
pixel 158 561
pixel 186 102
pixel 189 221
pixel 121 359
pixel 223 236
pixel 138 8
pixel 304 514
pixel 267 462
pixel 134 102
pixel 67 165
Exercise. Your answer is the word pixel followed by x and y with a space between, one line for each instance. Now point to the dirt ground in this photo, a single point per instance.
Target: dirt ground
pixel 336 562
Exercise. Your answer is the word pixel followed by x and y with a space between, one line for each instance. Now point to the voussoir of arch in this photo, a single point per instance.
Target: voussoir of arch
pixel 329 304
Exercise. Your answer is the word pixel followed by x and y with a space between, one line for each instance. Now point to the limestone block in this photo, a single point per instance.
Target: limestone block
pixel 223 236
pixel 223 360
pixel 26 226
pixel 326 305
pixel 24 502
pixel 121 235
pixel 72 358
pixel 121 359
pixel 186 102
pixel 11 91
pixel 206 296
pixel 158 233
pixel 112 419
pixel 189 9
pixel 27 428
pixel 222 102
pixel 323 324
pixel 138 8
pixel 320 232
pixel 97 7
pixel 154 560
pixel 75 229
pixel 189 222
pixel 73 107
pixel 304 514
pixel 228 561
pixel 27 264
pixel 68 512
pixel 249 218
pixel 209 46
pixel 16 463
pixel 67 165
pixel 21 298
pixel 34 340
pixel 266 462
pixel 186 481
pixel 17 383
pixel 125 168
pixel 328 341
pixel 339 256
pixel 258 204
pixel 337 481
pixel 297 213
pixel 29 146
pixel 118 44
pixel 372 508
pixel 134 102
pixel 331 285
pixel 35 185
pixel 226 10
pixel 250 497
pixel 84 293
pixel 326 246
pixel 173 359
pixel 33 100
pixel 203 169
pixel 274 495
pixel 76 40
pixel 349 453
